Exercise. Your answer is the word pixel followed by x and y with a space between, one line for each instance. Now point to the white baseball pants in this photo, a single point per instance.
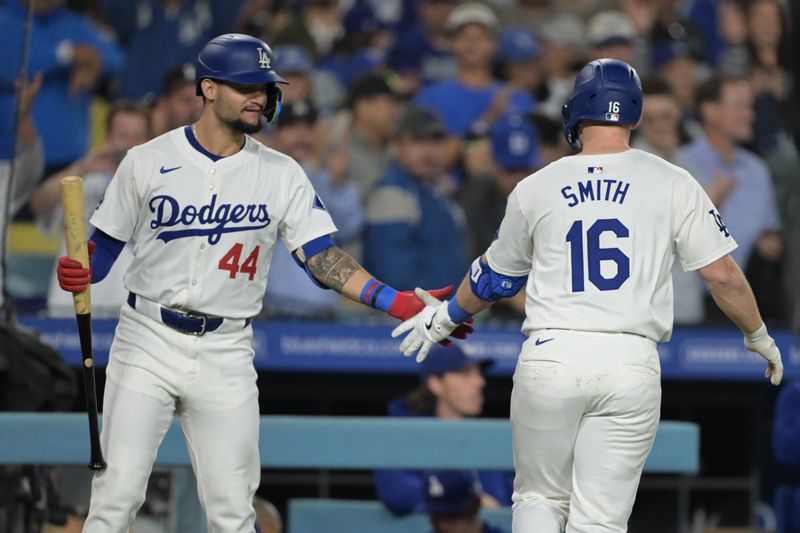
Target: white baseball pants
pixel 584 414
pixel 154 372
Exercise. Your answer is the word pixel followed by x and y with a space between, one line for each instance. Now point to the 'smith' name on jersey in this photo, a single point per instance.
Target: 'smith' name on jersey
pixel 168 213
pixel 597 190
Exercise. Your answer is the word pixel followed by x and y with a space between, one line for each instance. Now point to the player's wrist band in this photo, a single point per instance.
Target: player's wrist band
pixel 378 295
pixel 456 312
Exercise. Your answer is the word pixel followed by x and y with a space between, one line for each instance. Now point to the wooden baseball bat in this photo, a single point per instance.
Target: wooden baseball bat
pixel 77 248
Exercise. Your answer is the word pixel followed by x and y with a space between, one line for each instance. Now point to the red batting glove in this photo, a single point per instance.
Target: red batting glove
pixel 72 277
pixel 406 305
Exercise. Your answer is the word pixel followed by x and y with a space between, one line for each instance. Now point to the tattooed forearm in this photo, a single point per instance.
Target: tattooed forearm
pixel 333 268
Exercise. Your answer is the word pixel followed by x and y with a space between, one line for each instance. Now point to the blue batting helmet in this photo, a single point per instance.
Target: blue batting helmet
pixel 243 60
pixel 606 90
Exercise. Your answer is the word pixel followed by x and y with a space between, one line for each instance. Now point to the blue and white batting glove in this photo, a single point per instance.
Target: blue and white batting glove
pixel 761 343
pixel 426 328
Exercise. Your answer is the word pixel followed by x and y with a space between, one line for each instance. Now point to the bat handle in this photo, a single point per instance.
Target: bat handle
pixel 96 461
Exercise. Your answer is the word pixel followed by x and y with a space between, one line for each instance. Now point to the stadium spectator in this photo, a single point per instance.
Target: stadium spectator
pixel 27 164
pixel 515 149
pixel 128 125
pixel 290 292
pixel 364 129
pixel 665 23
pixel 563 43
pixel 315 27
pixel 178 103
pixel 158 35
pixel 295 65
pixel 421 53
pixel 310 86
pixel 522 64
pixel 720 25
pixel 736 180
pixel 612 34
pixel 452 502
pixel 414 234
pixel 659 133
pixel 451 388
pixel 72 54
pixel 471 101
pixel 362 47
pixel 680 65
pixel 552 144
pixel 769 48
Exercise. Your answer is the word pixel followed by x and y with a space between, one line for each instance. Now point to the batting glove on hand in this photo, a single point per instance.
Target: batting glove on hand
pixel 428 327
pixel 761 343
pixel 407 305
pixel 72 277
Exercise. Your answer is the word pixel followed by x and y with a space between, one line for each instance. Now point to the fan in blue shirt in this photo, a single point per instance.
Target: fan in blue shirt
pixel 71 54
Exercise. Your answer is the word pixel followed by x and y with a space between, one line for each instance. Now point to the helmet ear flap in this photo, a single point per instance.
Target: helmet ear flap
pixel 274 103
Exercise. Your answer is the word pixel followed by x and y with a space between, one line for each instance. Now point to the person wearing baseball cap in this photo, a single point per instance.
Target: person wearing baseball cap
pixel 612 34
pixel 294 63
pixel 564 43
pixel 521 58
pixel 178 104
pixel 414 232
pixel 453 502
pixel 366 127
pixel 474 98
pixel 451 387
pixel 421 52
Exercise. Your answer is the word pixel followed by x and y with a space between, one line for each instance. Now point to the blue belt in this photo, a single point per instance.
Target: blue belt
pixel 190 323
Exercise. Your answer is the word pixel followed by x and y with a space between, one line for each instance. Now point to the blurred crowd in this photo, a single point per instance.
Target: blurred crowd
pixel 414 119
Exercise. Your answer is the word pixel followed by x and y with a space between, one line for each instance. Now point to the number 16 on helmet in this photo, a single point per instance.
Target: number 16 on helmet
pixel 606 90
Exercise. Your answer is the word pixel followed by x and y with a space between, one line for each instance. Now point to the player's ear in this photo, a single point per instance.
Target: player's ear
pixel 434 384
pixel 209 89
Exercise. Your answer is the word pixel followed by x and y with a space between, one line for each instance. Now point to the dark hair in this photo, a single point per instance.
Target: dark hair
pixel 421 400
pixel 125 106
pixel 785 47
pixel 550 131
pixel 711 90
pixel 656 86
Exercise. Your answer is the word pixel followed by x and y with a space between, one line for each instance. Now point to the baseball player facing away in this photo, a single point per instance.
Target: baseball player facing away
pixel 203 206
pixel 598 233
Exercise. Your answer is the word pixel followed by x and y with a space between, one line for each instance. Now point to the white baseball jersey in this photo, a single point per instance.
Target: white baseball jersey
pixel 598 235
pixel 203 230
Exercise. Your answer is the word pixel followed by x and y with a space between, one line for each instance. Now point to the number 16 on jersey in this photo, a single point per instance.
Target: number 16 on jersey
pixel 595 255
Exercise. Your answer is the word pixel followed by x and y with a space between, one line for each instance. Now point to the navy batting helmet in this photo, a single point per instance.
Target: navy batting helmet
pixel 243 60
pixel 606 90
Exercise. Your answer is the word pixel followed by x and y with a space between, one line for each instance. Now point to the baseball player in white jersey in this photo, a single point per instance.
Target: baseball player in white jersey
pixel 203 207
pixel 593 237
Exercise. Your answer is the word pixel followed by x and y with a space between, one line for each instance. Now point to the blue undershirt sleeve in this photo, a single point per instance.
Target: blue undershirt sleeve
pixel 106 251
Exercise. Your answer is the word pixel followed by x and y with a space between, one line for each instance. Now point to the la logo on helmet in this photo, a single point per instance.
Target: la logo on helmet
pixel 263 58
